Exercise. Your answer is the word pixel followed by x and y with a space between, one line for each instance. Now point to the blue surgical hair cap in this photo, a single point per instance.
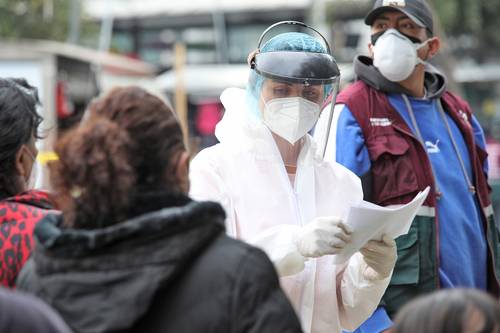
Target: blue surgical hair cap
pixel 293 41
pixel 288 41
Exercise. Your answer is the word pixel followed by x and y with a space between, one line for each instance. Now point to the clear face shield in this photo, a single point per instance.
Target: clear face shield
pixel 297 85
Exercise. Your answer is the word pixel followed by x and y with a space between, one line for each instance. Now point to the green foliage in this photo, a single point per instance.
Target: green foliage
pixel 39 19
pixel 478 18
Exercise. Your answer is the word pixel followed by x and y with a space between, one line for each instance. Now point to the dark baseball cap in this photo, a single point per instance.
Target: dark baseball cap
pixel 417 10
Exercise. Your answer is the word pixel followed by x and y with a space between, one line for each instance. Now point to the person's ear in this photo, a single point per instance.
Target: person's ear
pixel 370 50
pixel 434 45
pixel 182 172
pixel 22 162
pixel 251 57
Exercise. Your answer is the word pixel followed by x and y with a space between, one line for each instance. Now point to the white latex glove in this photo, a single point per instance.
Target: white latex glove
pixel 380 258
pixel 323 235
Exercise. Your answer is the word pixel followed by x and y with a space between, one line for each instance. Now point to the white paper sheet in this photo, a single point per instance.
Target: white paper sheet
pixel 370 222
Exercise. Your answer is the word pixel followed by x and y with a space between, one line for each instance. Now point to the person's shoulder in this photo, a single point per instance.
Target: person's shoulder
pixel 39 199
pixel 340 172
pixel 208 152
pixel 23 214
pixel 454 95
pixel 459 102
pixel 208 156
pixel 332 172
pixel 359 97
pixel 218 157
pixel 355 89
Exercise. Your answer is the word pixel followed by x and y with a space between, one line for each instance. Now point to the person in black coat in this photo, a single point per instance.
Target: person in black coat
pixel 131 252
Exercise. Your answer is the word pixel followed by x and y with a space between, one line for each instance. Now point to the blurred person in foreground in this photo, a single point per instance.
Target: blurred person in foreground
pixel 400 130
pixel 21 207
pixel 131 252
pixel 278 192
pixel 20 313
pixel 450 311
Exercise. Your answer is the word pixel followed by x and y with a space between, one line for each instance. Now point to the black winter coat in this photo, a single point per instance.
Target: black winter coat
pixel 21 313
pixel 169 270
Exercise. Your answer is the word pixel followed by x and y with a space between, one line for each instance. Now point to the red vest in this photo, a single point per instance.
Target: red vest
pixel 400 165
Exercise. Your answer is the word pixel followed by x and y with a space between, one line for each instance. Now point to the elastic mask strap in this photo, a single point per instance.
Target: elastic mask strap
pixel 376 36
pixel 422 44
pixel 262 99
pixel 420 61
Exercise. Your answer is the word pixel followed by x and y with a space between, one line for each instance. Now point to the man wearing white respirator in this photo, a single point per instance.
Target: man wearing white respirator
pixel 400 130
pixel 279 193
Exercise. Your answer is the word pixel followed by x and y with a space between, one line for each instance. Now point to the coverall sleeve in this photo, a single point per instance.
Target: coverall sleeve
pixel 279 242
pixel 358 296
pixel 259 303
pixel 206 184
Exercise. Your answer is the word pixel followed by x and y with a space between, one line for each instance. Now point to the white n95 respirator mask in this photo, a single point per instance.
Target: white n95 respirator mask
pixel 291 117
pixel 395 56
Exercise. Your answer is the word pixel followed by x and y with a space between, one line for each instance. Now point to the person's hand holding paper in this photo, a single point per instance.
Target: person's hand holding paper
pixel 370 222
pixel 380 257
pixel 322 236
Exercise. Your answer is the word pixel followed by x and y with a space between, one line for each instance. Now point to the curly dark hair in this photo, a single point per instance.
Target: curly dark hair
pixel 19 122
pixel 127 143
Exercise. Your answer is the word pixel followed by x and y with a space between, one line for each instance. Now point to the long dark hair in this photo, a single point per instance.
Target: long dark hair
pixel 448 311
pixel 19 122
pixel 127 142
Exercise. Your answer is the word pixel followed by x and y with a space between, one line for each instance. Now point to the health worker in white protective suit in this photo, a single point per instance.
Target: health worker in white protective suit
pixel 279 193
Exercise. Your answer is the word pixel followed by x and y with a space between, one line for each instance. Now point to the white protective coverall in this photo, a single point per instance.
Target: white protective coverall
pixel 246 174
